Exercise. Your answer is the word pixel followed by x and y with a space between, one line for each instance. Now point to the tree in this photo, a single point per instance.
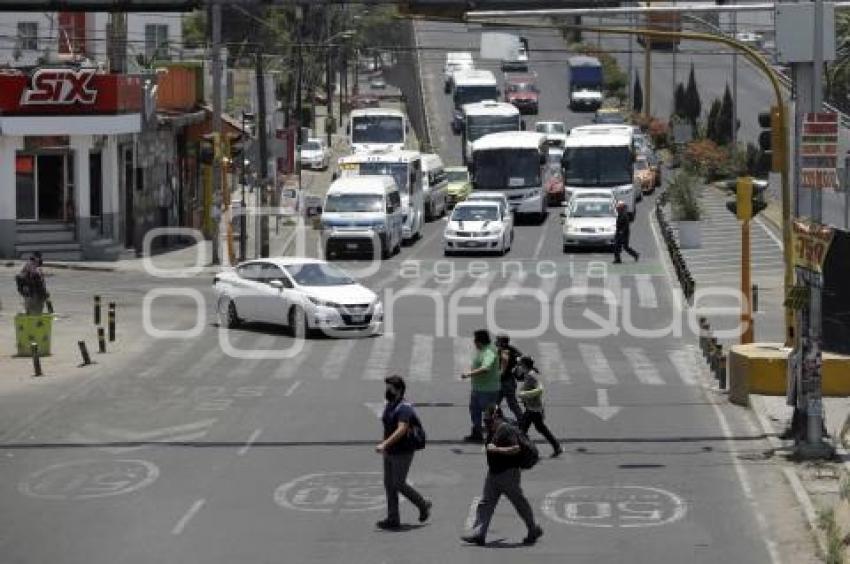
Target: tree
pixel 680 101
pixel 837 75
pixel 637 97
pixel 194 29
pixel 712 130
pixel 723 126
pixel 693 106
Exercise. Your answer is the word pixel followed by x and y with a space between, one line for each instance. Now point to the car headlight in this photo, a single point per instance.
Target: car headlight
pixel 493 232
pixel 322 303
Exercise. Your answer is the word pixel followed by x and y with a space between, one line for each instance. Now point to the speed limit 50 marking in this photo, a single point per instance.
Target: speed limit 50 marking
pixel 614 506
pixel 333 492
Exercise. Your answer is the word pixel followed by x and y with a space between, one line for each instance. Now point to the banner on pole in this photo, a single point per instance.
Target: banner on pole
pixel 811 244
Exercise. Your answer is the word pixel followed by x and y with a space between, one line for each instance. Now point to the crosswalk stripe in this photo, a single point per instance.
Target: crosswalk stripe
pixel 290 366
pixel 462 356
pixel 338 357
pixel 379 359
pixel 552 362
pixel 685 364
pixel 645 371
pixel 445 288
pixel 580 283
pixel 421 358
pixel 614 283
pixel 600 370
pixel 645 291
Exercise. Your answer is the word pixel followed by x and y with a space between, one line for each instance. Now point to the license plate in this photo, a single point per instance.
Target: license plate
pixel 358 318
pixel 351 246
pixel 471 244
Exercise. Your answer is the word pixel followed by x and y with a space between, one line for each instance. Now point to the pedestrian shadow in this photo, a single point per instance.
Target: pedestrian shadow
pixel 504 543
pixel 404 528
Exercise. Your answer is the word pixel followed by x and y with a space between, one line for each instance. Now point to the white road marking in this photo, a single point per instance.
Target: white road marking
pixel 597 364
pixel 181 524
pixel 580 284
pixel 421 358
pixel 289 366
pixel 603 408
pixel 614 283
pixel 515 282
pixel 338 359
pixel 473 510
pixel 164 360
pixel 481 286
pixel 291 389
pixel 685 365
pixel 643 368
pixel 552 362
pixel 539 247
pixel 251 440
pixel 380 357
pixel 770 233
pixel 645 291
pixel 549 285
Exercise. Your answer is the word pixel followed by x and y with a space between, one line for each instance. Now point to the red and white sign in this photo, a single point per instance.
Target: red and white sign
pixel 60 86
pixel 819 151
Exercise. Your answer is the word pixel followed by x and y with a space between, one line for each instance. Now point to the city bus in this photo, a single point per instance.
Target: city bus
pixel 406 168
pixel 372 129
pixel 470 86
pixel 486 117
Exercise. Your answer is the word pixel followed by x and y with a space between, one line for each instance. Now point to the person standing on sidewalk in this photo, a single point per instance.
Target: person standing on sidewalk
pixel 486 382
pixel 621 236
pixel 398 418
pixel 503 477
pixel 508 355
pixel 31 285
pixel 531 394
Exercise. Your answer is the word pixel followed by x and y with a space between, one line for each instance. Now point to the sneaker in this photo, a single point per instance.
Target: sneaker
pixel 637 256
pixel 388 525
pixel 533 535
pixel 557 452
pixel 473 539
pixel 425 511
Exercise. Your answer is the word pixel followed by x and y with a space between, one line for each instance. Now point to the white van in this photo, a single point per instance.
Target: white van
pixel 434 184
pixel 360 213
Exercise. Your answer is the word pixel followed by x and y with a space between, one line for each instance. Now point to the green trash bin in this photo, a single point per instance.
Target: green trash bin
pixel 33 329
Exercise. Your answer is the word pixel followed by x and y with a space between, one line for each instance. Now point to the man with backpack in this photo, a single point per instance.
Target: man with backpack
pixel 531 394
pixel 508 451
pixel 403 435
pixel 508 355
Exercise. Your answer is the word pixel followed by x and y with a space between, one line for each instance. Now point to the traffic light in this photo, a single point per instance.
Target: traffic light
pixel 772 139
pixel 749 199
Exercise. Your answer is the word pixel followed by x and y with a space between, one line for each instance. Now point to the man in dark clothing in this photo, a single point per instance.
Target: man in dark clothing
pixel 503 477
pixel 621 237
pixel 398 418
pixel 508 355
pixel 32 285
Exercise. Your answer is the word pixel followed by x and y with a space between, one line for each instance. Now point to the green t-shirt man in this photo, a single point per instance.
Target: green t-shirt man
pixel 486 357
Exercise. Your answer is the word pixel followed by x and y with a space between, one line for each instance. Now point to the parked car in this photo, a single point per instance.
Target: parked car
pixel 589 222
pixel 303 294
pixel 459 186
pixel 314 153
pixel 478 225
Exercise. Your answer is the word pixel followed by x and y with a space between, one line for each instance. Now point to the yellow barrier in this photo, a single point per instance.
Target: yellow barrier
pixel 33 329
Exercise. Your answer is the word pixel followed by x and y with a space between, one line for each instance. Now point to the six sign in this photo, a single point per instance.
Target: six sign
pixel 60 87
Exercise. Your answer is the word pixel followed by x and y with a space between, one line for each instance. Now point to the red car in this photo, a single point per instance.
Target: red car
pixel 521 91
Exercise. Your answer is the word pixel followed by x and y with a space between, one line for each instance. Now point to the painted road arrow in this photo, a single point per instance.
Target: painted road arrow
pixel 603 409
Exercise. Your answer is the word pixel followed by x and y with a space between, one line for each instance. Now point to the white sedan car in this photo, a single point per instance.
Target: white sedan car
pixel 489 196
pixel 301 293
pixel 589 222
pixel 477 226
pixel 314 154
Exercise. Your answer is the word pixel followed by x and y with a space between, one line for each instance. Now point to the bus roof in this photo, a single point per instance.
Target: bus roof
pixel 381 156
pixel 490 108
pixel 509 140
pixel 603 137
pixel 603 129
pixel 377 184
pixel 473 77
pixel 377 112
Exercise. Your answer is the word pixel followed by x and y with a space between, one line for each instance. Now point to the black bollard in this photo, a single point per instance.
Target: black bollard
pixel 36 360
pixel 755 297
pixel 50 307
pixel 84 352
pixel 111 321
pixel 97 310
pixel 101 340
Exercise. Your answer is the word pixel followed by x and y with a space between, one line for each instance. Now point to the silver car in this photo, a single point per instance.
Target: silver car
pixel 589 222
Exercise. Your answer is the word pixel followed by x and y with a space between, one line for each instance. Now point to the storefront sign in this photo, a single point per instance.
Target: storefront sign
pixel 56 91
pixel 811 244
pixel 819 151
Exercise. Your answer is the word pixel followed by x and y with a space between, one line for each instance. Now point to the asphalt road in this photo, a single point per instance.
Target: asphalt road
pixel 192 454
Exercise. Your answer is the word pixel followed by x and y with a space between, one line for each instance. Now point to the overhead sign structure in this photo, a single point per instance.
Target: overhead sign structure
pixel 819 151
pixel 811 244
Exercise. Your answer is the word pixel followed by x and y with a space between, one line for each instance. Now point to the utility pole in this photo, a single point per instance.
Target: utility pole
pixel 734 82
pixel 329 91
pixel 215 24
pixel 647 71
pixel 631 92
pixel 263 224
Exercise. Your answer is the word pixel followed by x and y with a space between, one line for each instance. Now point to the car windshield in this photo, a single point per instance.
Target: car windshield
pixel 351 203
pixel 475 213
pixel 506 168
pixel 479 126
pixel 312 146
pixel 377 129
pixel 521 87
pixel 318 274
pixel 591 208
pixel 550 128
pixel 397 170
pixel 598 166
pixel 457 175
pixel 471 94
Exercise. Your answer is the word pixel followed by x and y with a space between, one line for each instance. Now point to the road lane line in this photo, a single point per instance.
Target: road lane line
pixel 251 440
pixel 181 524
pixel 379 359
pixel 685 365
pixel 338 358
pixel 644 369
pixel 645 291
pixel 539 247
pixel 470 516
pixel 552 362
pixel 421 358
pixel 291 389
pixel 600 370
pixel 614 283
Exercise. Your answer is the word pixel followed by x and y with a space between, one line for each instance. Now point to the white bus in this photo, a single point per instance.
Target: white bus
pixel 512 163
pixel 455 61
pixel 372 129
pixel 470 86
pixel 601 156
pixel 487 117
pixel 406 168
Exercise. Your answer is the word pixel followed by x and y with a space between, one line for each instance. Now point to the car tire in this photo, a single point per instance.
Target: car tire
pixel 228 316
pixel 566 249
pixel 298 325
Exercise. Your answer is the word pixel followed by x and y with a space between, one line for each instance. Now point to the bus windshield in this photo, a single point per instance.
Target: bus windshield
pixel 506 168
pixel 598 166
pixel 479 126
pixel 397 170
pixel 353 203
pixel 472 94
pixel 377 129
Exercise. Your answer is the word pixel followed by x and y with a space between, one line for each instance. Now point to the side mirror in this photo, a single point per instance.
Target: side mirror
pixel 277 284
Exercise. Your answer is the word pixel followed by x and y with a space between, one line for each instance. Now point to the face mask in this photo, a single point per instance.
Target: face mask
pixel 390 395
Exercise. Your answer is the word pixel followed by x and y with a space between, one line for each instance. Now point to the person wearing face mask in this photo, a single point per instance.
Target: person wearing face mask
pixel 399 418
pixel 531 394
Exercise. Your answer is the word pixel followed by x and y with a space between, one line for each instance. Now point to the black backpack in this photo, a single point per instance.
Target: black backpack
pixel 416 438
pixel 529 456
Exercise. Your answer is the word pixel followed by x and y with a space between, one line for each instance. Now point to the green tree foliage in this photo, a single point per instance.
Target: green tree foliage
pixel 712 131
pixel 724 119
pixel 837 76
pixel 194 29
pixel 680 101
pixel 637 97
pixel 693 105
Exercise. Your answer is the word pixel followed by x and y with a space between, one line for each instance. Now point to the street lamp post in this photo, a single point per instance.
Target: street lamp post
pixel 243 220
